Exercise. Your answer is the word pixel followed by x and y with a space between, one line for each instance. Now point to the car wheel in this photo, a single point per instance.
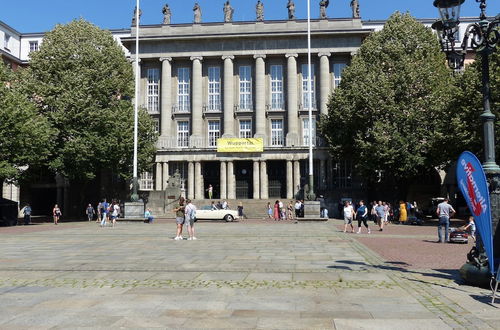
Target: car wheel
pixel 229 218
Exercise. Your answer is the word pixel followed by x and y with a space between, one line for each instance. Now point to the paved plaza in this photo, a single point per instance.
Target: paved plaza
pixel 250 274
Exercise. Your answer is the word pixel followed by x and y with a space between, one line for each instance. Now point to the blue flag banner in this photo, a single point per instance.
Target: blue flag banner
pixel 472 182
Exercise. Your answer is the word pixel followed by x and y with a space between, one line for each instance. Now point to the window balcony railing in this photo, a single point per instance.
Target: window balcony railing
pixel 183 109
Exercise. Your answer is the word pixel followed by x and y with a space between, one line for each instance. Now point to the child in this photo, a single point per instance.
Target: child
pixel 472 227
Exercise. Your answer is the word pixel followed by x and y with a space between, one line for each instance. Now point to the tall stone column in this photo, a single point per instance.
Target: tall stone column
pixel 289 179
pixel 223 180
pixel 264 190
pixel 256 180
pixel 231 181
pixel 165 176
pixel 135 70
pixel 197 103
pixel 260 96
pixel 166 95
pixel 292 137
pixel 228 96
pixel 190 192
pixel 158 177
pixel 324 81
pixel 198 186
pixel 322 174
pixel 296 177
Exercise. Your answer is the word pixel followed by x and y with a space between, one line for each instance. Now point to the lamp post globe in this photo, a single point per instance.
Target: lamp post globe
pixel 449 10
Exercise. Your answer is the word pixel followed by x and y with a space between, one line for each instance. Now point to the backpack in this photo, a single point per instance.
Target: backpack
pixel 192 214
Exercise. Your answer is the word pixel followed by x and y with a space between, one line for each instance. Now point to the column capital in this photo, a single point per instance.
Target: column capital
pixel 194 58
pixel 291 55
pixel 165 59
pixel 324 54
pixel 132 60
pixel 256 56
pixel 228 57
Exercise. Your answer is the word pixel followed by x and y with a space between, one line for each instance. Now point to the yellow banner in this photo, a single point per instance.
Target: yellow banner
pixel 240 145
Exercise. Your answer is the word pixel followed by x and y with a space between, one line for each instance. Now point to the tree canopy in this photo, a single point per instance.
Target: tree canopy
pixel 24 134
pixel 81 82
pixel 391 112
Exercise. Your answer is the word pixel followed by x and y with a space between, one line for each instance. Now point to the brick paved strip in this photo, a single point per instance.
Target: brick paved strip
pixel 450 312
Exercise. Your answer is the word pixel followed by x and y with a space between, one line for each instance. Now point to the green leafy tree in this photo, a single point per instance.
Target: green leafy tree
pixel 24 134
pixel 392 110
pixel 81 82
pixel 469 103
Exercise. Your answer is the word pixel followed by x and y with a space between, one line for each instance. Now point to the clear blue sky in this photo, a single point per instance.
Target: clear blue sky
pixel 41 15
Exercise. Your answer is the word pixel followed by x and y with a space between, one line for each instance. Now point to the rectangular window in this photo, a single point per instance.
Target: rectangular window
pixel 305 87
pixel 277 132
pixel 156 124
pixel 337 73
pixel 33 46
pixel 6 41
pixel 146 181
pixel 245 73
pixel 214 88
pixel 213 132
pixel 183 89
pixel 153 90
pixel 245 129
pixel 342 174
pixel 276 87
pixel 305 131
pixel 183 134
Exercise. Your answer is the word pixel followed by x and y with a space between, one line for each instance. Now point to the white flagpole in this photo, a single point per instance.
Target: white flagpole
pixel 309 96
pixel 135 196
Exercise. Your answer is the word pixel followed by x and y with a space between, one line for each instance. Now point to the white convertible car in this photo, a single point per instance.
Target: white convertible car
pixel 206 213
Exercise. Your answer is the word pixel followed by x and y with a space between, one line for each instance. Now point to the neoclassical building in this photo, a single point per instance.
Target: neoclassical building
pixel 205 81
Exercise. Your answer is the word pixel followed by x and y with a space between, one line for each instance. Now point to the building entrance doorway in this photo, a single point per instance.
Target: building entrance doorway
pixel 276 172
pixel 243 172
pixel 211 175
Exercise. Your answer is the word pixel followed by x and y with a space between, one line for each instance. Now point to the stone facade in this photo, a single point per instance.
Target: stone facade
pixel 245 79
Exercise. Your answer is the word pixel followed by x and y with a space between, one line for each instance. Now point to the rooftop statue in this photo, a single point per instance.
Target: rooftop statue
pixel 259 8
pixel 167 14
pixel 197 13
pixel 228 12
pixel 355 8
pixel 323 4
pixel 291 9
pixel 135 14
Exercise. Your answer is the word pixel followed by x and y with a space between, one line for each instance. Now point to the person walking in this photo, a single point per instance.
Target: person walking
pixel 362 216
pixel 115 211
pixel 269 210
pixel 27 214
pixel 210 190
pixel 444 211
pixel 99 207
pixel 348 216
pixel 297 208
pixel 180 218
pixel 90 212
pixel 281 210
pixel 403 215
pixel 276 213
pixel 148 215
pixel 56 214
pixel 380 214
pixel 472 228
pixel 104 212
pixel 290 210
pixel 190 218
pixel 240 211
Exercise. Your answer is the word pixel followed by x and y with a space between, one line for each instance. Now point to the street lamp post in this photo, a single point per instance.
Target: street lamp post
pixel 483 37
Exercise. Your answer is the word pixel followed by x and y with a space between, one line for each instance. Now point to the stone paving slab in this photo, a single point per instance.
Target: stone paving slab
pixel 238 275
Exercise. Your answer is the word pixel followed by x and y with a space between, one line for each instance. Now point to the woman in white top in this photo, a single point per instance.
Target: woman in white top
pixel 348 216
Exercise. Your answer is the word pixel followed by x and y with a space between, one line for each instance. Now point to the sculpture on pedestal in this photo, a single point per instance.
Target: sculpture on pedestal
pixel 167 14
pixel 135 15
pixel 323 4
pixel 259 8
pixel 228 12
pixel 197 13
pixel 355 8
pixel 291 9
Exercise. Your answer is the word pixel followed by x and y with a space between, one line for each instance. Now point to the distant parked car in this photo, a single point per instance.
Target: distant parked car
pixel 206 213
